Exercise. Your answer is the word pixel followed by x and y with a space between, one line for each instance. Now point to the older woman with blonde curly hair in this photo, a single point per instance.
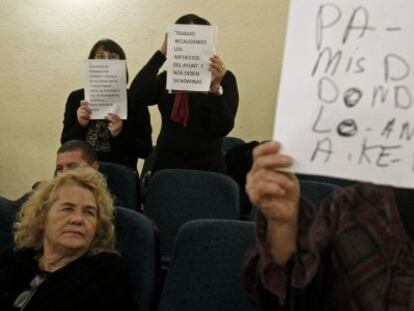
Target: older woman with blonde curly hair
pixel 64 256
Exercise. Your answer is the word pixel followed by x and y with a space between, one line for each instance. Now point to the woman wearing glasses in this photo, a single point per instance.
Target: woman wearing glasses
pixel 64 256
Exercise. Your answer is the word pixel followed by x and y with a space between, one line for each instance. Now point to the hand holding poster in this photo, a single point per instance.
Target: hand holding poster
pixel 345 106
pixel 188 57
pixel 105 87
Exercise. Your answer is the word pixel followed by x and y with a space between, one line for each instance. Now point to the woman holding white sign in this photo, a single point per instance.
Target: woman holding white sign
pixel 193 123
pixel 115 140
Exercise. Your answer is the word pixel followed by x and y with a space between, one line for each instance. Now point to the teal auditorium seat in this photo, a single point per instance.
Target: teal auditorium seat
pixel 228 143
pixel 137 241
pixel 205 271
pixel 123 182
pixel 176 196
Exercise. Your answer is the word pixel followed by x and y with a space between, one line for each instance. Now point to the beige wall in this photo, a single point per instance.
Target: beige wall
pixel 43 43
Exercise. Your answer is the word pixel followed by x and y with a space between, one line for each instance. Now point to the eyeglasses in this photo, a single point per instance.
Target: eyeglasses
pixel 24 298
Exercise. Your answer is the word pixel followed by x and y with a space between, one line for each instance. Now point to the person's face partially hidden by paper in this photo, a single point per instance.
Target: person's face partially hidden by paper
pixel 101 53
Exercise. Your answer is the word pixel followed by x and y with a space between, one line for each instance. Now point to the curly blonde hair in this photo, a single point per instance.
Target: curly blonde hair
pixel 32 216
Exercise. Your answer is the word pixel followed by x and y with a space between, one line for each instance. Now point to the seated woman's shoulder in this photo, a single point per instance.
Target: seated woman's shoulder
pixel 110 257
pixel 106 263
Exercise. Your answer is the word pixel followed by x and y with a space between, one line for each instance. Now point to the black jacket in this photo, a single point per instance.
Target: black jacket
pixel 198 145
pixel 98 282
pixel 134 141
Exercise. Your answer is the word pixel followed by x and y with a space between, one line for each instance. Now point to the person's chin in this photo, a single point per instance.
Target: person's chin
pixel 75 243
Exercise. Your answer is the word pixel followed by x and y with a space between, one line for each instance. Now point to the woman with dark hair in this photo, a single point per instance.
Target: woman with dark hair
pixel 115 140
pixel 193 123
pixel 191 19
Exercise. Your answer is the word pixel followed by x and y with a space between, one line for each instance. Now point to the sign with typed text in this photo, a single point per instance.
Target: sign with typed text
pixel 346 100
pixel 105 87
pixel 189 50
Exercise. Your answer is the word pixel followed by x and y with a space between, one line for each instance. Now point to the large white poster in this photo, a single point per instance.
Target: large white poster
pixel 189 50
pixel 345 106
pixel 105 87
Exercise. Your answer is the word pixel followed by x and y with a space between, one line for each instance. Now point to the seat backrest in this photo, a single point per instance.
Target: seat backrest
pixel 314 191
pixel 176 196
pixel 123 182
pixel 230 142
pixel 137 242
pixel 6 223
pixel 340 182
pixel 205 271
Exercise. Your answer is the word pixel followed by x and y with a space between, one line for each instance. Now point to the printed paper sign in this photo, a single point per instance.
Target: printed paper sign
pixel 189 50
pixel 345 106
pixel 105 87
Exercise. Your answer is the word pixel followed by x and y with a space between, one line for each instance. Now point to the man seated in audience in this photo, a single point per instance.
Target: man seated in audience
pixel 72 154
pixel 355 252
pixel 75 153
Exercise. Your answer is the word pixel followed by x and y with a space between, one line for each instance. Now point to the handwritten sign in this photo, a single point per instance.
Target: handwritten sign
pixel 189 50
pixel 105 87
pixel 346 99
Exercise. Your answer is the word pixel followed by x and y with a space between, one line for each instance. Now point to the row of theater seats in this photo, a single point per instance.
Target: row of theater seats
pixel 204 253
pixel 176 196
pixel 202 239
pixel 126 185
pixel 190 219
pixel 129 188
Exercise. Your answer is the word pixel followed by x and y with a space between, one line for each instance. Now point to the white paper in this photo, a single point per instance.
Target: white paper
pixel 189 50
pixel 353 116
pixel 105 87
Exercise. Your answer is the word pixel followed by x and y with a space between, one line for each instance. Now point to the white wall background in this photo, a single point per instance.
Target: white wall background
pixel 43 43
